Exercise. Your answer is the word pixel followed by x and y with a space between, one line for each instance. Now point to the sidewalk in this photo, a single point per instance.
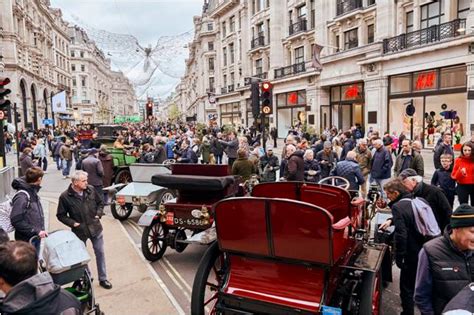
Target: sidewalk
pixel 136 290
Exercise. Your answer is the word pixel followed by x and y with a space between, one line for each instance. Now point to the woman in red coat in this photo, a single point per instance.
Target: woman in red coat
pixel 463 174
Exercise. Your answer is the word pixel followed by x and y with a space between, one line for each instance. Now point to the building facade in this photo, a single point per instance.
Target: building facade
pixel 123 96
pixel 377 56
pixel 35 50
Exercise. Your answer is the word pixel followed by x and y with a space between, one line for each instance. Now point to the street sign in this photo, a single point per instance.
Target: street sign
pixel 49 122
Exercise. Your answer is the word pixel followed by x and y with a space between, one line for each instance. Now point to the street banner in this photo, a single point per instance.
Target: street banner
pixel 317 56
pixel 59 102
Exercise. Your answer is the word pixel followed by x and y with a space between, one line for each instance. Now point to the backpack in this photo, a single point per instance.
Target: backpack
pixel 6 210
pixel 425 220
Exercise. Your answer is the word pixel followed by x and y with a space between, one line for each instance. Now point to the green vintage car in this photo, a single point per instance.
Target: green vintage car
pixel 107 134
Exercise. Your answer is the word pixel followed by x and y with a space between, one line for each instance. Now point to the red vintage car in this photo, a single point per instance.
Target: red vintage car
pixel 198 187
pixel 291 248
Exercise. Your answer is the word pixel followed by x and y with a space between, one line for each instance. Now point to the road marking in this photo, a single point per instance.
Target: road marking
pixel 155 275
pixel 173 278
pixel 169 270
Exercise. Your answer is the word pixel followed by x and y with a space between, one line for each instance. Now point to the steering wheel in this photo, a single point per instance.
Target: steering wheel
pixel 169 161
pixel 335 181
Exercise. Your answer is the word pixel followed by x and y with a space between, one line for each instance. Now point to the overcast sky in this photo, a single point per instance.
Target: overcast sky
pixel 145 19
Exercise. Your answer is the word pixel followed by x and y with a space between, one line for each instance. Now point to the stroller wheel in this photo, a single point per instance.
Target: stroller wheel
pixel 84 291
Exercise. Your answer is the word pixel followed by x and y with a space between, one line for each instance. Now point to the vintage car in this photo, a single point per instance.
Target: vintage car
pixel 290 248
pixel 198 187
pixel 141 193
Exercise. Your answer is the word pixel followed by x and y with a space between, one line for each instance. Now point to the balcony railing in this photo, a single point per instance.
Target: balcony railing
pixel 223 90
pixel 290 70
pixel 230 88
pixel 298 27
pixel 424 36
pixel 261 75
pixel 346 6
pixel 257 42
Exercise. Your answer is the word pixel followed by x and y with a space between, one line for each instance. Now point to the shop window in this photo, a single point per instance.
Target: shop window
pixel 301 97
pixel 463 8
pixel 432 14
pixel 335 94
pixel 292 98
pixel 351 92
pixel 400 84
pixel 350 39
pixel 454 77
pixel 370 33
pixel 426 80
pixel 281 99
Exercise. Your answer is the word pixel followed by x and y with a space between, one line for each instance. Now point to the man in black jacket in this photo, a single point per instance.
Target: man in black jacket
pixel 446 263
pixel 408 241
pixel 27 292
pixel 27 215
pixel 443 148
pixel 81 207
pixel 435 196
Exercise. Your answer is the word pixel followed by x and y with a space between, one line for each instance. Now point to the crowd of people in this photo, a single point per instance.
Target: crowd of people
pixel 395 167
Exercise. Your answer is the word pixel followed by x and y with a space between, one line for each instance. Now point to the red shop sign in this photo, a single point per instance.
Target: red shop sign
pixel 426 80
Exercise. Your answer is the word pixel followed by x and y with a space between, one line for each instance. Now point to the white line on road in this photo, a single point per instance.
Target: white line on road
pixel 177 274
pixel 155 275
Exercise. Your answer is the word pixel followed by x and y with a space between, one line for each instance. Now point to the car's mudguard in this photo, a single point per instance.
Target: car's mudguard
pixel 147 218
pixel 115 187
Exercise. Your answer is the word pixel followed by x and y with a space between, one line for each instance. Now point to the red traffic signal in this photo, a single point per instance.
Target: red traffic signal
pixel 3 93
pixel 149 110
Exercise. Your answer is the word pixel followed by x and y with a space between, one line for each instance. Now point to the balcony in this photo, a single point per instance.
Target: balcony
pixel 424 36
pixel 298 27
pixel 290 70
pixel 220 7
pixel 261 75
pixel 346 6
pixel 211 90
pixel 223 90
pixel 230 88
pixel 257 42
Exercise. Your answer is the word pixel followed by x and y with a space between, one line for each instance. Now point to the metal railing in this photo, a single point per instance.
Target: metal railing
pixel 298 27
pixel 346 6
pixel 258 41
pixel 223 90
pixel 424 36
pixel 290 70
pixel 261 75
pixel 230 88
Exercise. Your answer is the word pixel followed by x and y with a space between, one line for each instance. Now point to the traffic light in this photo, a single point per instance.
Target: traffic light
pixel 266 97
pixel 255 98
pixel 4 103
pixel 149 110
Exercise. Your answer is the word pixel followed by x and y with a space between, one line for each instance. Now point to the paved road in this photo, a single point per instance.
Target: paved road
pixel 177 270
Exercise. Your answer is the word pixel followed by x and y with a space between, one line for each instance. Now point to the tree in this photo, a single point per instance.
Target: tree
pixel 173 112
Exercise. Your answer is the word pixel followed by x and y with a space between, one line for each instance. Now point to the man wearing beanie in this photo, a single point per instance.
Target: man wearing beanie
pixel 446 263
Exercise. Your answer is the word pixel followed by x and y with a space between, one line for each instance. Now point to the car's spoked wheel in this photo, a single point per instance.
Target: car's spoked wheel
pixel 121 212
pixel 208 281
pixel 123 177
pixel 165 196
pixel 377 294
pixel 154 241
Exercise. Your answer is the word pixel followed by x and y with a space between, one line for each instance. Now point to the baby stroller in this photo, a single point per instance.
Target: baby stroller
pixel 65 257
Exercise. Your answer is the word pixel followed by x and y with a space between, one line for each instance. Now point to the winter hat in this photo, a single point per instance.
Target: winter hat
pixel 327 144
pixel 463 216
pixel 409 172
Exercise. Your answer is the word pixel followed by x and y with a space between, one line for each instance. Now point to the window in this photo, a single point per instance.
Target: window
pixel 84 94
pixel 313 17
pixel 370 33
pixel 453 77
pixel 232 23
pixel 210 46
pixel 299 55
pixel 258 66
pixel 74 82
pixel 240 20
pixel 83 68
pixel 82 54
pixel 224 55
pixel 73 67
pixel 409 22
pixel 231 52
pixel 232 78
pixel 224 31
pixel 225 80
pixel 211 64
pixel 290 16
pixel 432 14
pixel 338 41
pixel 83 82
pixel 301 12
pixel 268 31
pixel 400 84
pixel 210 26
pixel 261 5
pixel 211 84
pixel 463 8
pixel 350 39
pixel 73 54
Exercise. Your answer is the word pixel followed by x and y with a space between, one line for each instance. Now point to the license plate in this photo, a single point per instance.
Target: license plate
pixel 193 222
pixel 169 218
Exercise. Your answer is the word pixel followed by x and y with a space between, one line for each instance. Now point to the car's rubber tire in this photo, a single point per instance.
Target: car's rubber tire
pixel 154 230
pixel 119 212
pixel 123 176
pixel 201 279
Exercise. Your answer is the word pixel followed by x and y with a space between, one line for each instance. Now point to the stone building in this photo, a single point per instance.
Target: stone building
pixel 123 96
pixel 35 50
pixel 377 56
